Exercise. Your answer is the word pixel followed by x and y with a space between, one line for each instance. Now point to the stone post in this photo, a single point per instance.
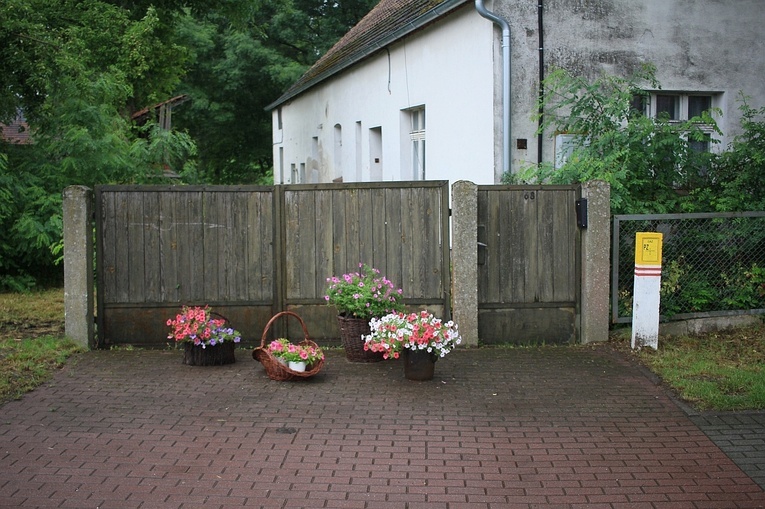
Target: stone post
pixel 465 260
pixel 78 265
pixel 596 262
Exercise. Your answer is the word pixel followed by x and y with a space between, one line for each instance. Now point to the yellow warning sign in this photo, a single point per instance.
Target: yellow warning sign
pixel 648 248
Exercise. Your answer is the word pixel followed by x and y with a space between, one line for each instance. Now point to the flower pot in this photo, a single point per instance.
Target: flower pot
pixel 216 355
pixel 418 364
pixel 351 332
pixel 298 366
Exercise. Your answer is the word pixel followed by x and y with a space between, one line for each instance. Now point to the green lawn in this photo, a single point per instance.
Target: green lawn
pixel 714 371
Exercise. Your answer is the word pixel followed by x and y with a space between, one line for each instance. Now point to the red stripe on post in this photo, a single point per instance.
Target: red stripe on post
pixel 643 271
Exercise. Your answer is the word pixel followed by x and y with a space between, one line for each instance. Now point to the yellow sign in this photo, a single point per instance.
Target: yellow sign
pixel 648 248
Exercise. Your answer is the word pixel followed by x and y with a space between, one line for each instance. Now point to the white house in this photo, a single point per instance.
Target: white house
pixel 446 89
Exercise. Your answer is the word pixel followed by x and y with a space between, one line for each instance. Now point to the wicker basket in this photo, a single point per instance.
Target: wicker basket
pixel 351 330
pixel 277 370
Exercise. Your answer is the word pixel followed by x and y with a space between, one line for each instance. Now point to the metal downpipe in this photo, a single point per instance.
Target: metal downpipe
pixel 505 26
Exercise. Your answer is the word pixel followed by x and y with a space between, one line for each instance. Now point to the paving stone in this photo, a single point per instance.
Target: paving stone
pixel 496 428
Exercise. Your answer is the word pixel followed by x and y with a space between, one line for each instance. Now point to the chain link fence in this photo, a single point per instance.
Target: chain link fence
pixel 712 264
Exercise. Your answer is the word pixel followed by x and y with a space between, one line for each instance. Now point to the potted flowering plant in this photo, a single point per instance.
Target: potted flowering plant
pixel 358 297
pixel 420 337
pixel 296 357
pixel 207 340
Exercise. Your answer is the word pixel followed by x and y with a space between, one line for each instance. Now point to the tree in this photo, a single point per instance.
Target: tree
pixel 76 69
pixel 238 68
pixel 737 176
pixel 648 162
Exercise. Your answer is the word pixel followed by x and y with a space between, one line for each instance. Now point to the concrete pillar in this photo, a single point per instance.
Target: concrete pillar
pixel 596 260
pixel 78 265
pixel 465 260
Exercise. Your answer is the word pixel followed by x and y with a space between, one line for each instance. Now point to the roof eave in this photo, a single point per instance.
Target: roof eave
pixel 381 44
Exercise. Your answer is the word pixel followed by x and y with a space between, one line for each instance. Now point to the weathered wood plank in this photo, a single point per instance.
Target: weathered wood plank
pixel 152 256
pixel 189 238
pixel 260 241
pixel 292 244
pixel 135 247
pixel 168 252
pixel 238 233
pixel 324 241
pixel 546 243
pixel 306 246
pixel 121 290
pixel 393 265
pixel 107 269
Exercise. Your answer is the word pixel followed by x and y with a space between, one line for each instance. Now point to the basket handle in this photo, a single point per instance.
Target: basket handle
pixel 274 318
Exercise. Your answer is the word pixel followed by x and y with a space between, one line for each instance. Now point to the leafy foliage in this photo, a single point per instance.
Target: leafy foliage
pixel 237 69
pixel 648 162
pixel 78 69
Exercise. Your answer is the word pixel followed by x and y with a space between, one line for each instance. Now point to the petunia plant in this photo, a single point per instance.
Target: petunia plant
pixel 282 348
pixel 364 294
pixel 415 331
pixel 197 325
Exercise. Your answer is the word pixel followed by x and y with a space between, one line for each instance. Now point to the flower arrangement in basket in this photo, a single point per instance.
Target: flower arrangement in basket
pixel 197 325
pixel 358 297
pixel 280 356
pixel 363 294
pixel 394 332
pixel 287 351
pixel 207 340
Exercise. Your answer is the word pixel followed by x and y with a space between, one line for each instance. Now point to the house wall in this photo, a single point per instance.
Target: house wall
pixel 696 46
pixel 453 67
pixel 446 67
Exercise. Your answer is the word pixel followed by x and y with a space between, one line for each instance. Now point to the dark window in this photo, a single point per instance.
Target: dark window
pixel 668 105
pixel 697 104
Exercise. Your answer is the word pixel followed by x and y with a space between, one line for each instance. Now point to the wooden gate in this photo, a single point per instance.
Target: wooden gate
pixel 528 264
pixel 250 252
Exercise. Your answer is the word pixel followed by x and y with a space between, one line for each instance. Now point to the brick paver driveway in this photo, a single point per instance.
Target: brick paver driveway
pixel 569 427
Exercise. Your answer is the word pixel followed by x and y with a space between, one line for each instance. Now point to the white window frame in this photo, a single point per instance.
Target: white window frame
pixel 417 140
pixel 681 113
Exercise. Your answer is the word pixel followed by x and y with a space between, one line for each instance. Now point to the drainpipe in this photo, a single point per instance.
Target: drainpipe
pixel 540 29
pixel 505 26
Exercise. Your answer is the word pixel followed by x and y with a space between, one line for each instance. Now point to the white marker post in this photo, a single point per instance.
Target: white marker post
pixel 645 298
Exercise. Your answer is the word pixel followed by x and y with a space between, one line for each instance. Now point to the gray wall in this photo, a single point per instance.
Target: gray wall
pixel 699 45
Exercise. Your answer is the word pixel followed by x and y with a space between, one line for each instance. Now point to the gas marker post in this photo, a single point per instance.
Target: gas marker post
pixel 645 297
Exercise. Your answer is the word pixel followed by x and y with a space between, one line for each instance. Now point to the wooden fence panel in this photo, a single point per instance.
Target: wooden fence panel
pixel 399 228
pixel 250 252
pixel 160 247
pixel 528 264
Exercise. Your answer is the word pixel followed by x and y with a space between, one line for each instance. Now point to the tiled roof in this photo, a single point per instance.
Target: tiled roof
pixel 387 22
pixel 17 132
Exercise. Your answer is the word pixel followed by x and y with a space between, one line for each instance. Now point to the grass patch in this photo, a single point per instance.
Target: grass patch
pixel 714 371
pixel 28 363
pixel 32 314
pixel 32 343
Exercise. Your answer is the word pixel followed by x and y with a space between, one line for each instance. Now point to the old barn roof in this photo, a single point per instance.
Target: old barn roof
pixel 387 22
pixel 17 132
